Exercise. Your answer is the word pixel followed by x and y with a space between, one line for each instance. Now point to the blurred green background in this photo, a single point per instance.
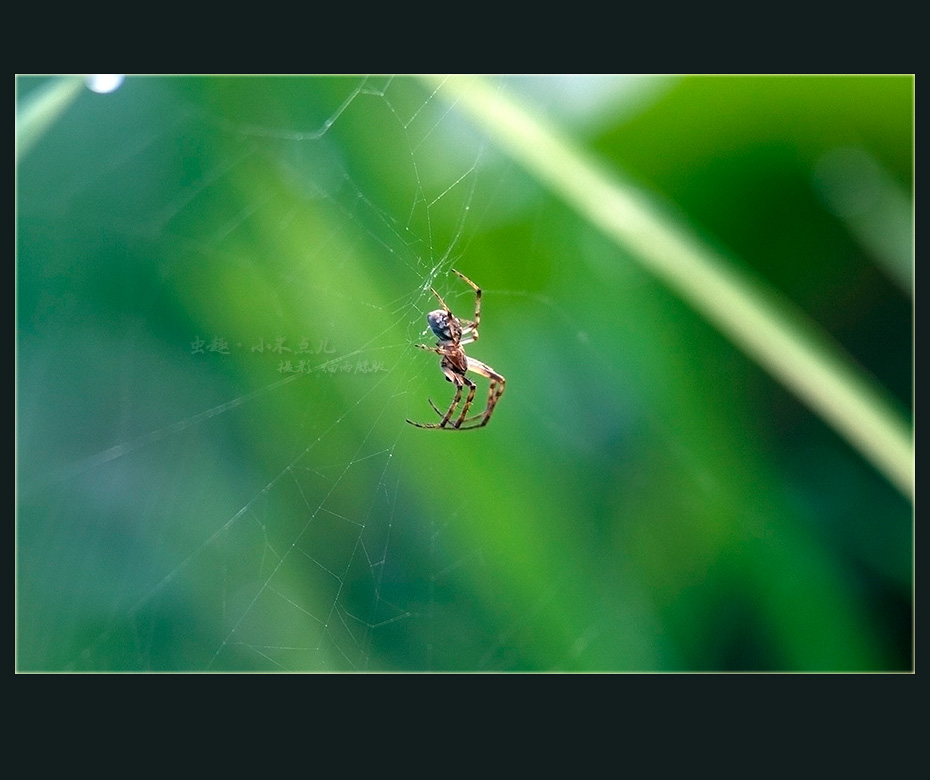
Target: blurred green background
pixel 219 283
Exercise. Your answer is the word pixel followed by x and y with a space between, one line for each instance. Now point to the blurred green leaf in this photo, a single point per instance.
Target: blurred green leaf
pixel 761 322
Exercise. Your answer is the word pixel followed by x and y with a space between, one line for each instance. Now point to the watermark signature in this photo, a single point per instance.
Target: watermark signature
pixel 278 346
pixel 289 364
pixel 332 367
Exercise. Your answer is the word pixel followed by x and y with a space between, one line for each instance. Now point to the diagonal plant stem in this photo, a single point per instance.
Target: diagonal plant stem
pixel 764 324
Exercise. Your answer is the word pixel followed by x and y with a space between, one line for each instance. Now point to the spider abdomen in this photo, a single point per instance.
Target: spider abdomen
pixel 445 328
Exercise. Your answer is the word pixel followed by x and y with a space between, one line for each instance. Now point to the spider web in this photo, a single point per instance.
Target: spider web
pixel 219 285
pixel 223 354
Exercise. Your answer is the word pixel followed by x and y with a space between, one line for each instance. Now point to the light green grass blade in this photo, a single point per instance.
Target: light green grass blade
pixel 764 324
pixel 41 108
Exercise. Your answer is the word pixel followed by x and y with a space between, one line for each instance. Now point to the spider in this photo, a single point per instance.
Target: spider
pixel 453 334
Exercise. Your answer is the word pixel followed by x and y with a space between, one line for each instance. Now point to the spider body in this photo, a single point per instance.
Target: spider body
pixel 452 334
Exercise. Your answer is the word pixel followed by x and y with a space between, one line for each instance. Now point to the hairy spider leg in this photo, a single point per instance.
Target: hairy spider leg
pixel 477 289
pixel 441 301
pixel 467 405
pixel 455 402
pixel 454 369
pixel 495 391
pixel 446 416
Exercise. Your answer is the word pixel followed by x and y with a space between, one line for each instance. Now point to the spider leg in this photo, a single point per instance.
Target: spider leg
pixel 423 425
pixel 441 413
pixel 471 397
pixel 468 332
pixel 453 405
pixel 441 302
pixel 468 401
pixel 477 289
pixel 459 382
pixel 495 391
pixel 494 394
